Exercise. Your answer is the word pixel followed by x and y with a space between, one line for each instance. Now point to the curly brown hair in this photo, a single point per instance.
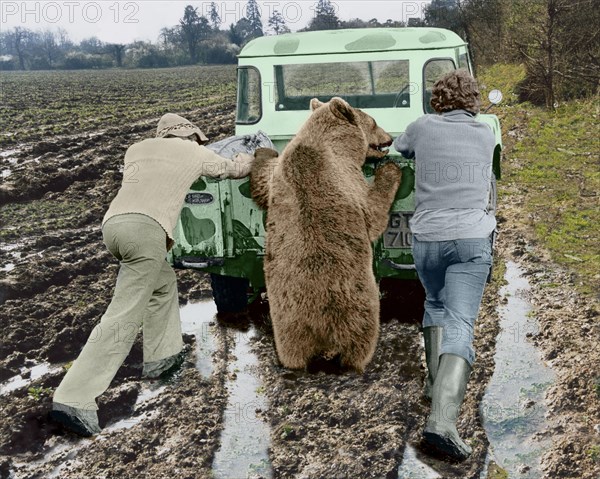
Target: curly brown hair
pixel 456 90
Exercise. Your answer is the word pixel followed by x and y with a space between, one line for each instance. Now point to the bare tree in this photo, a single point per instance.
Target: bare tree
pixel 578 49
pixel 21 37
pixel 92 45
pixel 50 47
pixel 557 40
pixel 559 43
pixel 64 42
pixel 487 26
pixel 169 37
pixel 118 52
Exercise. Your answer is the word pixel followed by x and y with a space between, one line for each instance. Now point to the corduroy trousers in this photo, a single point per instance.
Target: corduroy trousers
pixel 145 297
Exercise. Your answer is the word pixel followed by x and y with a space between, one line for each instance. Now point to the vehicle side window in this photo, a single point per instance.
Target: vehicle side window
pixel 432 72
pixel 249 109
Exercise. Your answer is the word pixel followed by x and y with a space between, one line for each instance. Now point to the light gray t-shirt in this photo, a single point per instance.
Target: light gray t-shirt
pixel 453 166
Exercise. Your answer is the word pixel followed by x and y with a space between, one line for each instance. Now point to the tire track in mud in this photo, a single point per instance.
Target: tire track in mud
pixel 53 165
pixel 352 426
pixel 321 426
pixel 566 340
pixel 176 434
pixel 568 323
pixel 59 287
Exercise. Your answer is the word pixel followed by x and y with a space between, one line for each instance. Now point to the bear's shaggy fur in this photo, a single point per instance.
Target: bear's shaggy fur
pixel 322 216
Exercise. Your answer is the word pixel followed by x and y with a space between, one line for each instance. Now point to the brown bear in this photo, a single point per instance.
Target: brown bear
pixel 322 216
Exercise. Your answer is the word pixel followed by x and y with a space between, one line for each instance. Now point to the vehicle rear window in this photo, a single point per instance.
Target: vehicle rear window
pixel 379 84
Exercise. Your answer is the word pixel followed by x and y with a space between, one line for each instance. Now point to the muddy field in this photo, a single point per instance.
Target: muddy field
pixel 61 148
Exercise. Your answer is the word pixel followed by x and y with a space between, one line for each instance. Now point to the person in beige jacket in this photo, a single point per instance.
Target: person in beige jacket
pixel 138 230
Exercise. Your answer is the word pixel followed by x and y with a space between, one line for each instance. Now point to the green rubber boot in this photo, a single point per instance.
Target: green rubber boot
pixel 80 421
pixel 448 394
pixel 433 343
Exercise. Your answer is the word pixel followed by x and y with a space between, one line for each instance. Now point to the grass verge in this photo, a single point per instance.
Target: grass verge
pixel 552 162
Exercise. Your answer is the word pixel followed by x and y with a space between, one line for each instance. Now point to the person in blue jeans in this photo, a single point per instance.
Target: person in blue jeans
pixel 452 246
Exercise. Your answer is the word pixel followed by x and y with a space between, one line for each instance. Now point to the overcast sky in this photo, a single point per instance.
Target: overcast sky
pixel 125 21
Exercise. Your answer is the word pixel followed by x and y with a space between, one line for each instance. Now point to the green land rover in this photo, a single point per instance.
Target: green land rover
pixel 387 72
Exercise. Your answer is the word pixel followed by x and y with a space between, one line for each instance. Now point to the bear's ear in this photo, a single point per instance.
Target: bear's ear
pixel 342 110
pixel 315 103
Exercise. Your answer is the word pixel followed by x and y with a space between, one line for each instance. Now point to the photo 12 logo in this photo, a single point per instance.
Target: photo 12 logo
pixel 71 12
pixel 232 12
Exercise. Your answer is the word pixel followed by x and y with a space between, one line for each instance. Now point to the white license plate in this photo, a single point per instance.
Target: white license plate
pixel 397 234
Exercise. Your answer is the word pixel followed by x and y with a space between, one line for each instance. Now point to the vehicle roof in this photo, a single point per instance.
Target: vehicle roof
pixel 353 40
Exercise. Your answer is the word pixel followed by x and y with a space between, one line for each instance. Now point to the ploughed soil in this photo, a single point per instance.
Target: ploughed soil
pixel 322 425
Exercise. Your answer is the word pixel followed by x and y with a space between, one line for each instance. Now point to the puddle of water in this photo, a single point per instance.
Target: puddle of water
pixel 19 381
pixel 196 319
pixel 60 452
pixel 11 246
pixel 147 393
pixel 56 472
pixel 246 437
pixel 12 249
pixel 413 468
pixel 513 408
pixel 7 153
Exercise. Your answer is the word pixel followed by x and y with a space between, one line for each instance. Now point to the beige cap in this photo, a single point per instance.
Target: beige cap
pixel 172 124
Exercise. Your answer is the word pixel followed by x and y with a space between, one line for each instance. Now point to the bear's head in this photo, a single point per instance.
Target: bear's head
pixel 360 126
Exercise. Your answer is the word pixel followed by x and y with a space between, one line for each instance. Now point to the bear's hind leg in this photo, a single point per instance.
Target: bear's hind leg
pixel 356 357
pixel 357 348
pixel 295 346
pixel 328 363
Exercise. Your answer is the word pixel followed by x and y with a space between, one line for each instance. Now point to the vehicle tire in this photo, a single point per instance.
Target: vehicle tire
pixel 230 293
pixel 401 299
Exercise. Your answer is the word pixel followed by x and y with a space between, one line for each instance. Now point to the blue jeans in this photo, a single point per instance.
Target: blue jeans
pixel 453 274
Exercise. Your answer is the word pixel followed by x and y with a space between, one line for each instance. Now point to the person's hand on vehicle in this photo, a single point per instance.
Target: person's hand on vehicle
pixel 243 164
pixel 243 157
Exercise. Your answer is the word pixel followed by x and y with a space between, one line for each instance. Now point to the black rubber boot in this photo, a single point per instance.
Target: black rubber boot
pixel 448 394
pixel 433 343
